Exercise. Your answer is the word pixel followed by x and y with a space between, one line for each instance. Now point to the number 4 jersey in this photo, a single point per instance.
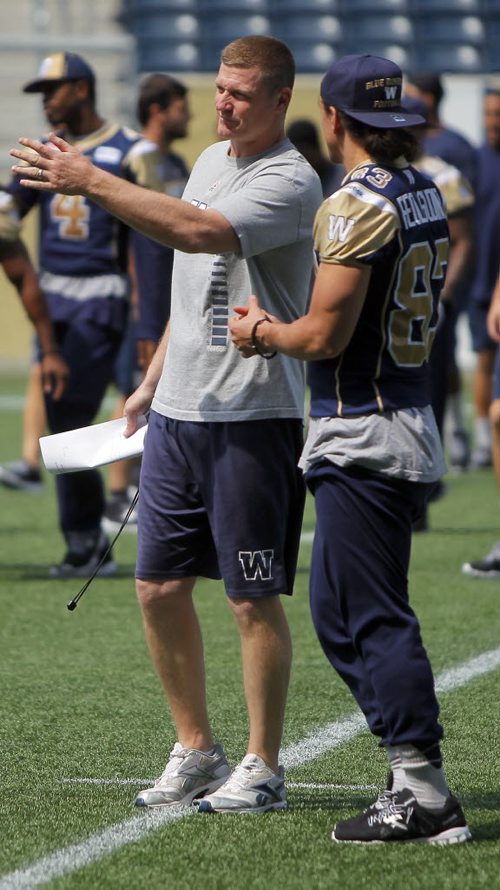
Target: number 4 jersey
pixel 391 219
pixel 82 248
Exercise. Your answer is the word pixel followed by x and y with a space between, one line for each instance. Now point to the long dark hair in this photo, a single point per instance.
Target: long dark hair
pixel 384 146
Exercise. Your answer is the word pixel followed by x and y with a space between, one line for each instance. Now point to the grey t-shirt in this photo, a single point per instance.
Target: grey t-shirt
pixel 270 200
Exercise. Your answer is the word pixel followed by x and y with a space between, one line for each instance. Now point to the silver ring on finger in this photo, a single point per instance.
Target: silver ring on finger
pixel 39 173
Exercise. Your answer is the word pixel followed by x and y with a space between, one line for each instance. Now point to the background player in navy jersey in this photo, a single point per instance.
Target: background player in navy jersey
pixel 373 450
pixel 453 147
pixel 163 113
pixel 441 140
pixel 487 226
pixel 458 198
pixel 18 268
pixel 489 565
pixel 83 260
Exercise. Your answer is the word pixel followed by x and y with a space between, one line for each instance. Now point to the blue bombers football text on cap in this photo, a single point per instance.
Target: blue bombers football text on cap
pixel 60 66
pixel 368 89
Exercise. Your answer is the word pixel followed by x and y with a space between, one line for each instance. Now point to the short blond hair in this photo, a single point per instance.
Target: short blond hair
pixel 271 55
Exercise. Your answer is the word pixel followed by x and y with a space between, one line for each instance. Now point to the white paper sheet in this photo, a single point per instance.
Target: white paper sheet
pixel 91 446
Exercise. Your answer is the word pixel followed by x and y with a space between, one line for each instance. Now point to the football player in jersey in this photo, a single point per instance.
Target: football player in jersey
pixel 18 268
pixel 458 198
pixel 163 112
pixel 489 566
pixel 373 451
pixel 83 257
pixel 452 147
pixel 487 224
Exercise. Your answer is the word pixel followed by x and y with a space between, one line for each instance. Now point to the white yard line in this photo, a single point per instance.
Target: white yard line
pixel 97 846
pixel 316 743
pixel 86 781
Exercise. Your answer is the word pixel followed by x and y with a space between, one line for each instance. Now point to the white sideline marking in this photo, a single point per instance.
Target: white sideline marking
pixel 70 859
pixel 323 739
pixel 322 785
pixel 316 743
pixel 85 781
pixel 458 676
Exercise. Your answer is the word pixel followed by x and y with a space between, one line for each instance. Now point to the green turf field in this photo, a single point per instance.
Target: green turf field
pixel 80 702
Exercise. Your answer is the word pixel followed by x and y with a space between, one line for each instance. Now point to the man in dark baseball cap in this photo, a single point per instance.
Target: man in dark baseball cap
pixel 59 67
pixel 368 89
pixel 427 82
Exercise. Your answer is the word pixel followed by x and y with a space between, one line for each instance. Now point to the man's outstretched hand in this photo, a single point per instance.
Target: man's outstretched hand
pixel 53 166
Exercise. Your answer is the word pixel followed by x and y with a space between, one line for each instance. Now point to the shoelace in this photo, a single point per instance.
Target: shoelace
pixel 177 755
pixel 393 813
pixel 241 775
pixel 384 800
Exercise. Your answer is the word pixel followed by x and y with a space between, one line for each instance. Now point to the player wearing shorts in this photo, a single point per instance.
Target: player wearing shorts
pixel 221 493
pixel 373 451
pixel 487 223
pixel 489 565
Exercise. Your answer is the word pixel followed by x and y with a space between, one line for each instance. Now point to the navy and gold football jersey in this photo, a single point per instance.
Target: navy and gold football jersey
pixel 456 191
pixel 77 237
pixel 164 172
pixel 391 219
pixel 82 247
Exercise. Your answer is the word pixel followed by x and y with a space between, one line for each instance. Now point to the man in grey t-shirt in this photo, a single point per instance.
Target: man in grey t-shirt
pixel 221 494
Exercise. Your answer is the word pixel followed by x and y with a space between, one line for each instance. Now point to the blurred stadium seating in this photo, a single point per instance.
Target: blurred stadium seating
pixel 446 35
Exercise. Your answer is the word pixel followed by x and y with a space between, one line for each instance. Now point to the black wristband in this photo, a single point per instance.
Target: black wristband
pixel 253 337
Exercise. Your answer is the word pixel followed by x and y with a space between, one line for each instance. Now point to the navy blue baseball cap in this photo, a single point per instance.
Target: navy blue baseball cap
pixel 368 89
pixel 59 67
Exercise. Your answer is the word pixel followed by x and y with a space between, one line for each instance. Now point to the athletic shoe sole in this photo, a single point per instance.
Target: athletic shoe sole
pixel 448 837
pixel 13 482
pixel 106 571
pixel 469 570
pixel 203 808
pixel 185 801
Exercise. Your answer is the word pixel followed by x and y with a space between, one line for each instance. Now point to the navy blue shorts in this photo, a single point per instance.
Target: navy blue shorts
pixel 221 500
pixel 481 340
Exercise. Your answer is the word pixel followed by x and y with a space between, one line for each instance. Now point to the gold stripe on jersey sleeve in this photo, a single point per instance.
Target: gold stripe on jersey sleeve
pixel 145 168
pixel 353 224
pixel 456 191
pixel 100 136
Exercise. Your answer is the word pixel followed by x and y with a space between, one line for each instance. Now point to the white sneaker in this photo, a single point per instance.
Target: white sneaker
pixel 188 774
pixel 251 788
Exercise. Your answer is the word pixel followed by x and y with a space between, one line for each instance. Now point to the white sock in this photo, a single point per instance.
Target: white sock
pixel 455 411
pixel 482 431
pixel 398 773
pixel 426 780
